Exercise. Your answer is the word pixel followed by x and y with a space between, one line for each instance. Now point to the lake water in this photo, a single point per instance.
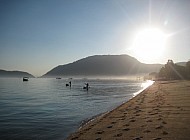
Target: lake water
pixel 47 109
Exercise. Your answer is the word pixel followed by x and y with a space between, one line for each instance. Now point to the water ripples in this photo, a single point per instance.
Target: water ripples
pixel 47 109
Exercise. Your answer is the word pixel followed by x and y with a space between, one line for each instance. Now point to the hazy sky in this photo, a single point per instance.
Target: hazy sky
pixel 37 35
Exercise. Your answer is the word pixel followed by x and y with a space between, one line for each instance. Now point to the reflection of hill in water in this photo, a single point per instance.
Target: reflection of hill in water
pixel 104 65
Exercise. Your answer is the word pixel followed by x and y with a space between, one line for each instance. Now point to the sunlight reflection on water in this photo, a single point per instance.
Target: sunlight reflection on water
pixel 144 86
pixel 147 84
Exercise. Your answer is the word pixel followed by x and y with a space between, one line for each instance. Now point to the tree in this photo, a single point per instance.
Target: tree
pixel 172 71
pixel 188 69
pixel 162 73
pixel 169 68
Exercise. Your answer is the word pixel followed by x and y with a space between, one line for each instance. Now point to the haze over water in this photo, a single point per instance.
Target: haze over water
pixel 47 109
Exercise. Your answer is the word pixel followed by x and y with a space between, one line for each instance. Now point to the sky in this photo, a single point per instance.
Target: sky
pixel 38 35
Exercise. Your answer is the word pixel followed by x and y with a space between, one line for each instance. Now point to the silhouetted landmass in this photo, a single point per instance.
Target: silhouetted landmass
pixel 4 73
pixel 181 63
pixel 103 65
pixel 172 71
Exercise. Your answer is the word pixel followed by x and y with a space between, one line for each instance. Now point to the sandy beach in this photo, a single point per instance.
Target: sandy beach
pixel 161 112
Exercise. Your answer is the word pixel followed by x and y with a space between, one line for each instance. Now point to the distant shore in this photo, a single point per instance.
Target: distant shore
pixel 161 111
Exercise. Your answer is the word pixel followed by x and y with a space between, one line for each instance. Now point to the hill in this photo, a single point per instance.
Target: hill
pixel 103 65
pixel 181 64
pixel 4 73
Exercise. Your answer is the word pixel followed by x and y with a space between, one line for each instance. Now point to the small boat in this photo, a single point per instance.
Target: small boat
pixel 86 87
pixel 25 78
pixel 66 85
pixel 58 78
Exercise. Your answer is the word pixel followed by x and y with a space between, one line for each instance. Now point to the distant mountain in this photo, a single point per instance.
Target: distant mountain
pixel 103 65
pixel 181 63
pixel 4 73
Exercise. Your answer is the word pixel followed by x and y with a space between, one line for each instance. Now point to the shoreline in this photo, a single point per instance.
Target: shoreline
pixel 88 120
pixel 148 115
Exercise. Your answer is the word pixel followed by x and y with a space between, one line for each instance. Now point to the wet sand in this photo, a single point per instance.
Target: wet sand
pixel 161 112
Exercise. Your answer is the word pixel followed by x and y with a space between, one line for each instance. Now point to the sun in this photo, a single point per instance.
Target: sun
pixel 149 44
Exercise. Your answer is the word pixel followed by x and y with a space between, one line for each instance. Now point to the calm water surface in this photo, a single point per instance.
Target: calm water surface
pixel 47 109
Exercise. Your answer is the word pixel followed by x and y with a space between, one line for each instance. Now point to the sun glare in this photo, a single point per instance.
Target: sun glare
pixel 149 44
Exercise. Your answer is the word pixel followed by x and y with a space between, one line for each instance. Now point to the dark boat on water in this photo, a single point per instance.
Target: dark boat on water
pixel 25 78
pixel 86 87
pixel 58 78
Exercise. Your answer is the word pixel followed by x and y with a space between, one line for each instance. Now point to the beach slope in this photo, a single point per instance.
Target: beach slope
pixel 161 112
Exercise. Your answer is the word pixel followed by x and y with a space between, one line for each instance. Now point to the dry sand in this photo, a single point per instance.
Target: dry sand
pixel 161 112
